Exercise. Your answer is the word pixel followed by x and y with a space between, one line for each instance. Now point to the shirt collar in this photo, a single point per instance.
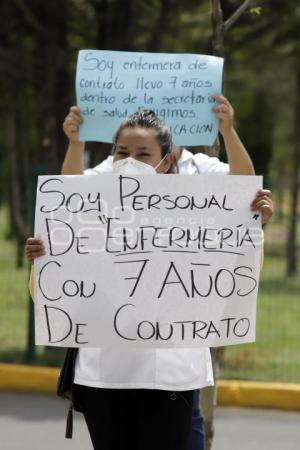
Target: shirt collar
pixel 185 156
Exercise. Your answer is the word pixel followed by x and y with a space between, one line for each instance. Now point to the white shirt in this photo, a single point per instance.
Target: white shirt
pixel 167 369
pixel 188 164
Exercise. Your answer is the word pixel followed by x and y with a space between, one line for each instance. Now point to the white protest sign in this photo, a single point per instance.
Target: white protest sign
pixel 111 85
pixel 149 261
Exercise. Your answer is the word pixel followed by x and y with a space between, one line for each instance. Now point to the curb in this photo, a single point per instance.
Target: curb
pixel 15 377
pixel 259 394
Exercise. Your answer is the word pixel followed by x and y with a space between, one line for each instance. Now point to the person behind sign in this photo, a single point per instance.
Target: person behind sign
pixel 239 163
pixel 154 386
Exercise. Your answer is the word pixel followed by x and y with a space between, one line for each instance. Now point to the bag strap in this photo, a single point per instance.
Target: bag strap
pixel 69 424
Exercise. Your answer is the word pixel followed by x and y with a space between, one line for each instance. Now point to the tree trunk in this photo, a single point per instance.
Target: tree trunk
pixel 112 19
pixel 18 204
pixel 219 27
pixel 217 50
pixel 54 85
pixel 280 200
pixel 155 40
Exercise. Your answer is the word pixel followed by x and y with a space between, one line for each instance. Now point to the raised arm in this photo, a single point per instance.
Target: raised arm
pixel 238 158
pixel 74 160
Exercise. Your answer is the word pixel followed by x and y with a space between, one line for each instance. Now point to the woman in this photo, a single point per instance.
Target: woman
pixel 154 387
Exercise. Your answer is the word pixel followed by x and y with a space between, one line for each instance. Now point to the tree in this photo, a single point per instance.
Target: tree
pixel 219 28
pixel 278 30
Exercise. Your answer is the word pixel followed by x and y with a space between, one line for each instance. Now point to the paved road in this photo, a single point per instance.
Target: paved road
pixel 255 429
pixel 37 422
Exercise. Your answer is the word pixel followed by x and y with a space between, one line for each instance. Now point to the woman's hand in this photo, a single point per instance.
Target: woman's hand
pixel 71 124
pixel 34 248
pixel 225 113
pixel 264 204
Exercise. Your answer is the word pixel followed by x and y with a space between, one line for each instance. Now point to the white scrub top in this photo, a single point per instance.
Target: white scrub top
pixel 167 369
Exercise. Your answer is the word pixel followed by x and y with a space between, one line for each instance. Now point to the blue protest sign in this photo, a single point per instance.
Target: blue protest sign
pixel 111 85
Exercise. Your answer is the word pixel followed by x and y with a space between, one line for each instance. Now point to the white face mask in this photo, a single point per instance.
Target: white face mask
pixel 131 166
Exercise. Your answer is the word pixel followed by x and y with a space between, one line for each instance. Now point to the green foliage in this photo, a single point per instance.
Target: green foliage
pixel 274 354
pixel 37 71
pixel 256 10
pixel 13 296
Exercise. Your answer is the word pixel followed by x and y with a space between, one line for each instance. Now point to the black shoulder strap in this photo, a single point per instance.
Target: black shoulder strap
pixel 69 424
pixel 65 386
pixel 67 374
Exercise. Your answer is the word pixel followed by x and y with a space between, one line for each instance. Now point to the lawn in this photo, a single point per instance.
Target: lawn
pixel 14 306
pixel 13 298
pixel 276 353
pixel 274 356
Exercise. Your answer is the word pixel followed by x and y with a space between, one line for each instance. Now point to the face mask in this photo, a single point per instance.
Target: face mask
pixel 131 166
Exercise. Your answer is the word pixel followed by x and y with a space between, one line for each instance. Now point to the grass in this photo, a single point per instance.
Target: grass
pixel 276 353
pixel 14 307
pixel 275 356
pixel 13 297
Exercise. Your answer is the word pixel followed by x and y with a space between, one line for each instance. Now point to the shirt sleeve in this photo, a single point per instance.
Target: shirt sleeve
pixel 104 166
pixel 210 164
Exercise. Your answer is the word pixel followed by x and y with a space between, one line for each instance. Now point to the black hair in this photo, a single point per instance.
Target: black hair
pixel 146 118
